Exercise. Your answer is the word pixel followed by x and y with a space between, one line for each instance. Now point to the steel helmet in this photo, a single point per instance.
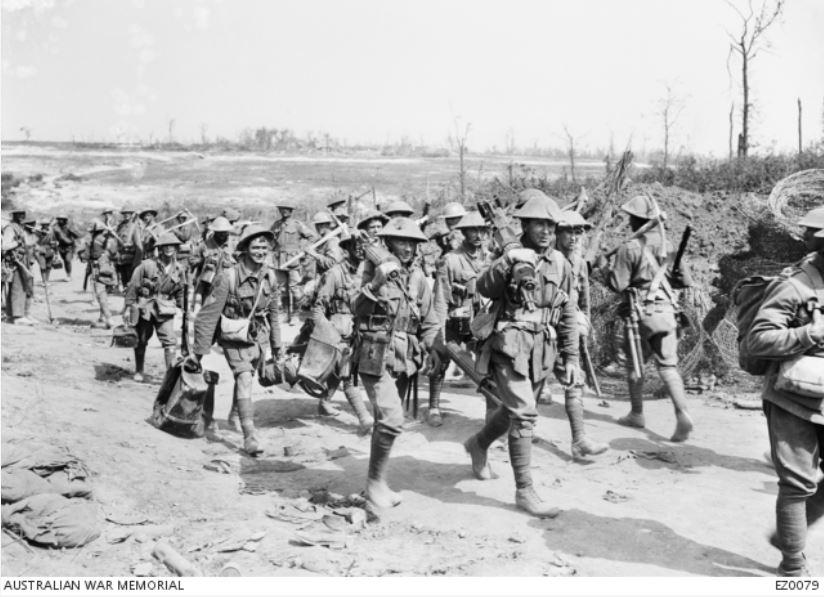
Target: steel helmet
pixel 472 219
pixel 127 210
pixel 528 194
pixel 322 217
pixel 251 232
pixel 334 202
pixel 285 203
pixel 396 208
pixel 220 224
pixel 147 211
pixel 167 238
pixel 372 215
pixel 539 207
pixel 572 219
pixel 640 206
pixel 453 209
pixel 402 228
pixel 813 218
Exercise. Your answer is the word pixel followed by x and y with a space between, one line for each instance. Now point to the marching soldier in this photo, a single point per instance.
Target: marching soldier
pixel 17 256
pixel 212 256
pixel 66 237
pixel 397 326
pixel 643 277
pixel 245 294
pixel 569 232
pixel 456 299
pixel 148 232
pixel 372 223
pixel 790 326
pixel 186 233
pixel 330 253
pixel 452 214
pixel 130 251
pixel 290 233
pixel 530 286
pixel 46 249
pixel 102 257
pixel 338 286
pixel 337 207
pixel 153 296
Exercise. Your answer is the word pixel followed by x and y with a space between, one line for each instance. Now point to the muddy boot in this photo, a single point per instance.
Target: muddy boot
pixel 247 423
pixel 520 455
pixel 478 445
pixel 433 416
pixel 365 421
pixel 675 388
pixel 635 417
pixel 794 564
pixel 378 493
pixel 169 357
pixel 327 409
pixel 139 358
pixel 581 445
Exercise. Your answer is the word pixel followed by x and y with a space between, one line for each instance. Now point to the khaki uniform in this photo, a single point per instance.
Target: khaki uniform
pixel 102 259
pixel 290 235
pixel 19 287
pixel 66 237
pixel 206 261
pixel 45 252
pixel 130 253
pixel 795 422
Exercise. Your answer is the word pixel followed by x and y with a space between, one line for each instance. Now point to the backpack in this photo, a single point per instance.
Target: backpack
pixel 748 296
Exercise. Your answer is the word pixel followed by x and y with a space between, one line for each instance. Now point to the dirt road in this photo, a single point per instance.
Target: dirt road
pixel 646 507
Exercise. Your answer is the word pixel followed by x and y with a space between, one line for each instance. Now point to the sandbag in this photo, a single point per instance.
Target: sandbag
pixel 18 484
pixel 52 520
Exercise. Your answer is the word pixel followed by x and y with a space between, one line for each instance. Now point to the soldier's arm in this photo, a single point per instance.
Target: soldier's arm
pixel 206 320
pixel 771 335
pixel 431 324
pixel 567 324
pixel 442 291
pixel 273 314
pixel 620 276
pixel 323 297
pixel 492 281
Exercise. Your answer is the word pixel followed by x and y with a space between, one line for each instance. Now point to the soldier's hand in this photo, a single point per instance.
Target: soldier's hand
pixel 383 272
pixel 521 255
pixel 817 327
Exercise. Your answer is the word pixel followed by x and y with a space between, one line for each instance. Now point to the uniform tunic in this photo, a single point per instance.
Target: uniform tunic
pixel 157 291
pixel 455 292
pixel 20 286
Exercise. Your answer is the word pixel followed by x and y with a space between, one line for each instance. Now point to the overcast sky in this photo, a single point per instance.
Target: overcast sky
pixel 376 70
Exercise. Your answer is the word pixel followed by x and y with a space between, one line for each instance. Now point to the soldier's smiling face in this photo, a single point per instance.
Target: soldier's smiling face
pixel 257 249
pixel 374 226
pixel 402 248
pixel 540 233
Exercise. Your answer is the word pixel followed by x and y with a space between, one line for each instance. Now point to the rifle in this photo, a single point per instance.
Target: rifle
pixel 589 368
pixel 336 232
pixel 46 292
pixel 88 274
pixel 634 334
pixel 613 186
pixel 184 336
pixel 464 362
pixel 682 247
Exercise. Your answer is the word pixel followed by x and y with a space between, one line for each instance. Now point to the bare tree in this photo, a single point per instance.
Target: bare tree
pixel 460 142
pixel 747 44
pixel 171 130
pixel 670 108
pixel 26 132
pixel 729 140
pixel 570 151
pixel 203 139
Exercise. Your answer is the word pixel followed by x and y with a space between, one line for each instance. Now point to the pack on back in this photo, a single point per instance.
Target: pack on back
pixel 748 296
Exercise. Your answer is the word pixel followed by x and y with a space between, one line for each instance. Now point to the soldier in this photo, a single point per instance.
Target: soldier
pixel 130 251
pixel 46 249
pixel 102 256
pixel 211 256
pixel 530 286
pixel 569 232
pixel 452 214
pixel 337 287
pixel 636 268
pixel 456 299
pixel 66 237
pixel 153 296
pixel 246 293
pixel 148 232
pixel 330 252
pixel 290 233
pixel 18 254
pixel 337 207
pixel 372 223
pixel 397 326
pixel 790 324
pixel 398 209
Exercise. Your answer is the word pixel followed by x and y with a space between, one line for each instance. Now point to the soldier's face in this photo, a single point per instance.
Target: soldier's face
pixel 220 237
pixel 373 227
pixel 568 238
pixel 258 250
pixel 813 243
pixel 539 232
pixel 168 251
pixel 18 217
pixel 148 219
pixel 323 228
pixel 473 237
pixel 285 212
pixel 62 222
pixel 402 248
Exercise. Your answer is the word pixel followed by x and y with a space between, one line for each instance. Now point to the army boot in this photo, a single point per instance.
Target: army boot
pixel 434 416
pixel 247 423
pixel 520 456
pixel 635 417
pixel 353 396
pixel 378 493
pixel 675 388
pixel 139 359
pixel 794 564
pixel 581 445
pixel 478 445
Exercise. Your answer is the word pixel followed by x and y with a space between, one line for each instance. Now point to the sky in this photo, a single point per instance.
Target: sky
pixel 375 71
